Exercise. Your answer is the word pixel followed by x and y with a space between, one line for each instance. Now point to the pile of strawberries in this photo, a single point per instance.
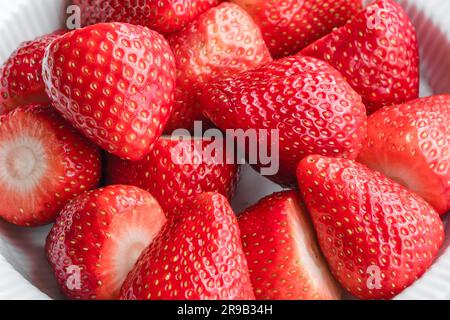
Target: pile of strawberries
pixel 366 162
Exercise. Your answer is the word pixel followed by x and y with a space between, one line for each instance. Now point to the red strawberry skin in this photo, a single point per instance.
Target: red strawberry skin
pixel 161 16
pixel 377 52
pixel 410 143
pixel 284 260
pixel 102 233
pixel 44 162
pixel 114 82
pixel 171 182
pixel 377 236
pixel 21 75
pixel 222 42
pixel 196 257
pixel 289 26
pixel 313 107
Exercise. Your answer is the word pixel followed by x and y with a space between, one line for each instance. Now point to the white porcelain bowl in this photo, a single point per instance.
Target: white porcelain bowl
pixel 24 272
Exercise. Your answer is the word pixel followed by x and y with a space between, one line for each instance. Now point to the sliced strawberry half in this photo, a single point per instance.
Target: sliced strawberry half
pixel 99 236
pixel 195 257
pixel 176 170
pixel 21 75
pixel 377 52
pixel 283 255
pixel 221 42
pixel 289 26
pixel 377 237
pixel 44 162
pixel 410 143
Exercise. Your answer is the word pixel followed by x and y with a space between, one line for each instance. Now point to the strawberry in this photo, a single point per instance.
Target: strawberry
pixel 171 179
pixel 222 42
pixel 21 75
pixel 309 103
pixel 284 260
pixel 98 237
pixel 195 257
pixel 114 82
pixel 165 16
pixel 44 163
pixel 377 52
pixel 289 26
pixel 410 143
pixel 377 236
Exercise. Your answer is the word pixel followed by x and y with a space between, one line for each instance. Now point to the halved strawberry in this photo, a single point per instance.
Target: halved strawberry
pixel 98 237
pixel 21 75
pixel 282 252
pixel 377 236
pixel 377 52
pixel 44 162
pixel 289 26
pixel 305 101
pixel 222 42
pixel 176 170
pixel 196 257
pixel 165 16
pixel 114 82
pixel 410 143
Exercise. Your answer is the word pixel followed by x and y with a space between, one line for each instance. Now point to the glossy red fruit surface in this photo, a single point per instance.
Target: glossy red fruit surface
pixel 377 52
pixel 44 162
pixel 377 236
pixel 289 26
pixel 177 170
pixel 282 252
pixel 304 100
pixel 196 257
pixel 410 143
pixel 165 16
pixel 114 82
pixel 21 75
pixel 98 237
pixel 222 42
